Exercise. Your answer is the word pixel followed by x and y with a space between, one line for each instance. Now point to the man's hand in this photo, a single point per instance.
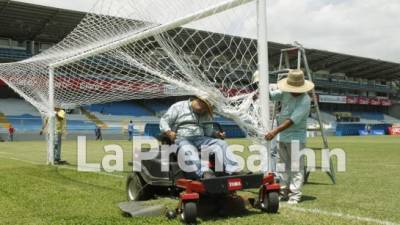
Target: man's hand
pixel 41 133
pixel 271 135
pixel 171 135
pixel 220 134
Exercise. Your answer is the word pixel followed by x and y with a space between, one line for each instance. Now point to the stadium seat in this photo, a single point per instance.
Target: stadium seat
pixel 349 129
pixel 119 108
pixel 16 54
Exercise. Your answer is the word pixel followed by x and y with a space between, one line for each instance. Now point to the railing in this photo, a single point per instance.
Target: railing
pixel 352 85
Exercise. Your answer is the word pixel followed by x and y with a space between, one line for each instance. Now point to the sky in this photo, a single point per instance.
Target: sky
pixel 369 28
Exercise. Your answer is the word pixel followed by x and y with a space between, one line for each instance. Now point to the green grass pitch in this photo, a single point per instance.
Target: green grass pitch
pixel 33 193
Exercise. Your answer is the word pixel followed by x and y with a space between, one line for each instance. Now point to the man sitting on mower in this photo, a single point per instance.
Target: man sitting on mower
pixel 195 135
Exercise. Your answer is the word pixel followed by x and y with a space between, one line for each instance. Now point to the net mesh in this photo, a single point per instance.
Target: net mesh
pixel 143 49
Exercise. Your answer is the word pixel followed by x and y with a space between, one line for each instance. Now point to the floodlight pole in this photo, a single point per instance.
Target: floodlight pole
pixel 263 69
pixel 51 119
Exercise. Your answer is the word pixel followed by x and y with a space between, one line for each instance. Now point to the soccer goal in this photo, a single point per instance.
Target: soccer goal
pixel 143 49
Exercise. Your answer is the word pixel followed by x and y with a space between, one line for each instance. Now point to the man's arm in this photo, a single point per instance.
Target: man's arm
pixel 167 120
pixel 302 111
pixel 46 120
pixel 285 125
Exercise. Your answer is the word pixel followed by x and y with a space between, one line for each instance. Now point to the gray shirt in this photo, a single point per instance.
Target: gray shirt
pixel 182 112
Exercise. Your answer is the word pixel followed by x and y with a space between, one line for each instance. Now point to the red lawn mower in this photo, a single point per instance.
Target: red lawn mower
pixel 153 181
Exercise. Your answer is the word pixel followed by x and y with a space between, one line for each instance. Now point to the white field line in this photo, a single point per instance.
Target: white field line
pixel 340 215
pixel 21 160
pixel 61 167
pixel 102 173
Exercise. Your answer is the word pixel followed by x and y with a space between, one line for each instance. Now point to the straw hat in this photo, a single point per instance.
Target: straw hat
pixel 295 82
pixel 204 98
pixel 61 114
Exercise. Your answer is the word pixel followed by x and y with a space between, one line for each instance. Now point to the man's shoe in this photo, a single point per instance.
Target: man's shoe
pixel 292 202
pixel 63 162
pixel 60 162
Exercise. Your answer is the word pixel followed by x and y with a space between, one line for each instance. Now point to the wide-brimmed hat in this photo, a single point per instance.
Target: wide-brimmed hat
pixel 204 98
pixel 295 82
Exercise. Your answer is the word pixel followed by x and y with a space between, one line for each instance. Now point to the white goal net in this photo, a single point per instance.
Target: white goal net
pixel 142 49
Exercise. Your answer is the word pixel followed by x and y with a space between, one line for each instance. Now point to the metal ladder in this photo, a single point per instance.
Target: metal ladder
pixel 284 65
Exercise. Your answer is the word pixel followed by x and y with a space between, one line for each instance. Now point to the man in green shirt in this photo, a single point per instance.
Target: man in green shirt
pixel 292 128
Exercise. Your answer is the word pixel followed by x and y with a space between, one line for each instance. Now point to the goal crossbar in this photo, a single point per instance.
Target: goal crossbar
pixel 131 37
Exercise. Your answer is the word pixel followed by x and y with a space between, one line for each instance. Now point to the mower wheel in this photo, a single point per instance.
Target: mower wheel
pixel 270 202
pixel 189 212
pixel 137 189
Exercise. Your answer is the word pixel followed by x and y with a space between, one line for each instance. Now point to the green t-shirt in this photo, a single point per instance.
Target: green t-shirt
pixel 297 109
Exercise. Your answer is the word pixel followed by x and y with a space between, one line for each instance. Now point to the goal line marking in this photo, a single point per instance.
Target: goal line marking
pixel 340 215
pixel 61 167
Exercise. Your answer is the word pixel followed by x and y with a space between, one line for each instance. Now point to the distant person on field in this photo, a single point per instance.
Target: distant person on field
pixel 61 128
pixel 130 130
pixel 292 127
pixel 97 133
pixel 11 131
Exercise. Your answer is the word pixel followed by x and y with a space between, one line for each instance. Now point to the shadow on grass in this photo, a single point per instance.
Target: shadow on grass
pixel 316 183
pixel 227 207
pixel 306 198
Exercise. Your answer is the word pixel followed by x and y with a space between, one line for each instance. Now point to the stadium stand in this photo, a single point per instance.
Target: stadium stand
pixel 345 129
pixel 152 129
pixel 15 107
pixel 25 122
pixel 120 108
pixel 369 115
pixel 158 107
pixel 14 54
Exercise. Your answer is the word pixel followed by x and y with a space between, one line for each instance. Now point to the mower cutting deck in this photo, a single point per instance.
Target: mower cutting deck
pixel 268 198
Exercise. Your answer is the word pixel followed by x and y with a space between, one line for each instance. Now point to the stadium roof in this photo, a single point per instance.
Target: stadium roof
pixel 23 21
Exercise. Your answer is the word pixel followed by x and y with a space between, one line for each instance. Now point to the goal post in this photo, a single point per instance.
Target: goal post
pixel 51 125
pixel 263 68
pixel 145 49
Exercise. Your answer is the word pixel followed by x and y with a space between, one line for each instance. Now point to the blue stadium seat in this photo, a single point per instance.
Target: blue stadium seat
pixel 349 129
pixel 76 125
pixel 119 109
pixel 152 129
pixel 158 106
pixel 369 115
pixel 25 122
pixel 17 54
pixel 381 127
